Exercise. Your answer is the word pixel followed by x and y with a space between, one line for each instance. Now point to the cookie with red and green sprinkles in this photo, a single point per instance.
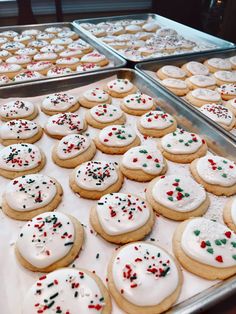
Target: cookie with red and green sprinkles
pixel 143 163
pixel 177 197
pixel 138 104
pixel 217 174
pixel 182 146
pixel 206 248
pixel 59 103
pixel 103 115
pixel 120 88
pixel 18 109
pixel 133 272
pixel 49 241
pixel 227 91
pixel 21 159
pixel 83 290
pixel 116 139
pixel 93 97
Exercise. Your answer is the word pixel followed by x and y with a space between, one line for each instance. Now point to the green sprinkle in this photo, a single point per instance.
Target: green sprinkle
pixel 210 250
pixel 186 194
pixel 223 241
pixel 224 175
pixel 217 242
pixel 177 180
pixel 168 145
pixel 233 244
pixel 197 232
pixel 208 243
pixel 234 257
pixel 170 198
pixel 144 165
pixel 219 168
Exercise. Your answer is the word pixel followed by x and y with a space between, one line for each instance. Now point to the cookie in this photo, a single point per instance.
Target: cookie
pixel 27 76
pixel 143 163
pixel 103 115
pixel 93 97
pixel 171 71
pixel 217 64
pixel 4 79
pixel 121 218
pixel 201 96
pixel 225 77
pixel 41 67
pixel 138 104
pixel 59 102
pixel 46 56
pixel 21 159
pixel 93 179
pixel 182 146
pixel 156 124
pixel 227 91
pixel 201 81
pixel 73 150
pixel 176 86
pixel 217 174
pixel 58 71
pixel 229 214
pixel 96 58
pixel 232 60
pixel 195 68
pixel 116 139
pixel 10 69
pixel 20 131
pixel 49 241
pixel 133 272
pixel 69 62
pixel 83 290
pixel 219 114
pixel 63 124
pixel 231 105
pixel 120 88
pixel 205 248
pixel 30 195
pixel 177 197
pixel 22 60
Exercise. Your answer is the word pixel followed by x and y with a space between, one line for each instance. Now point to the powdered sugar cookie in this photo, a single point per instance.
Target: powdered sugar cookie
pixel 20 131
pixel 171 71
pixel 220 114
pixel 96 58
pixel 122 218
pixel 143 163
pixel 58 71
pixel 116 139
pixel 156 124
pixel 229 214
pixel 93 97
pixel 63 124
pixel 217 64
pixel 41 67
pixel 10 69
pixel 93 179
pixel 231 104
pixel 225 77
pixel 176 86
pixel 30 195
pixel 138 104
pixel 201 96
pixel 120 88
pixel 217 174
pixel 177 197
pixel 27 76
pixel 83 290
pixel 103 115
pixel 18 109
pixel 201 81
pixel 135 269
pixel 195 68
pixel 227 91
pixel 21 159
pixel 59 102
pixel 49 241
pixel 73 150
pixel 205 248
pixel 182 146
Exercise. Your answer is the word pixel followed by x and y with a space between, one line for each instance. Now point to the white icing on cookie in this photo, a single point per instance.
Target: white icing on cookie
pixel 209 243
pixel 31 32
pixel 206 94
pixel 219 63
pixel 174 83
pixel 197 68
pixel 57 71
pixel 226 89
pixel 68 60
pixel 233 211
pixel 93 57
pixel 67 33
pixel 216 170
pixel 120 86
pixel 181 142
pixel 21 59
pixel 226 76
pixel 96 95
pixel 4 80
pixel 72 146
pixel 52 48
pixel 79 44
pixel 145 158
pixel 117 135
pixel 20 157
pixel 22 38
pixel 151 26
pixel 17 109
pixel 70 53
pixel 156 120
pixel 62 41
pixel 202 80
pixel 39 66
pixel 4 54
pixel 179 193
pixel 139 101
pixel 18 129
pixel 87 67
pixel 106 113
pixel 119 213
pixel 8 68
pixel 133 28
pixel 45 36
pixel 3 40
pixel 11 46
pixel 173 71
pixel 45 56
pixel 218 113
pixel 64 124
pixel 96 175
pixel 38 43
pixel 138 268
pixel 29 51
pixel 53 29
pixel 71 289
pixel 27 76
pixel 10 34
pixel 58 102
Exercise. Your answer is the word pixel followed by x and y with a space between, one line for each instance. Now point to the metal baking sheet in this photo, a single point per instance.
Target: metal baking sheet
pixel 149 69
pixel 186 31
pixel 116 61
pixel 196 293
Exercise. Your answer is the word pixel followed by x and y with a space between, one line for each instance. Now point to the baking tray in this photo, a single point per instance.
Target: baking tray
pixel 116 60
pixel 152 66
pixel 186 31
pixel 218 143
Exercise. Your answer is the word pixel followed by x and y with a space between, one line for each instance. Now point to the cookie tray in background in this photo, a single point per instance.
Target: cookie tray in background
pixel 149 69
pixel 115 61
pixel 204 40
pixel 197 292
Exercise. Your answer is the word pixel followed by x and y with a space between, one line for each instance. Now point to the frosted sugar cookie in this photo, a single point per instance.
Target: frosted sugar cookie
pixel 59 102
pixel 205 248
pixel 201 96
pixel 176 86
pixel 138 104
pixel 232 60
pixel 4 79
pixel 45 56
pixel 225 77
pixel 217 64
pixel 96 58
pixel 171 71
pixel 27 76
pixel 70 62
pixel 201 81
pixel 10 70
pixel 18 109
pixel 195 68
pixel 229 214
pixel 93 97
pixel 120 88
pixel 227 91
pixel 58 71
pixel 231 104
pixel 22 60
pixel 41 67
